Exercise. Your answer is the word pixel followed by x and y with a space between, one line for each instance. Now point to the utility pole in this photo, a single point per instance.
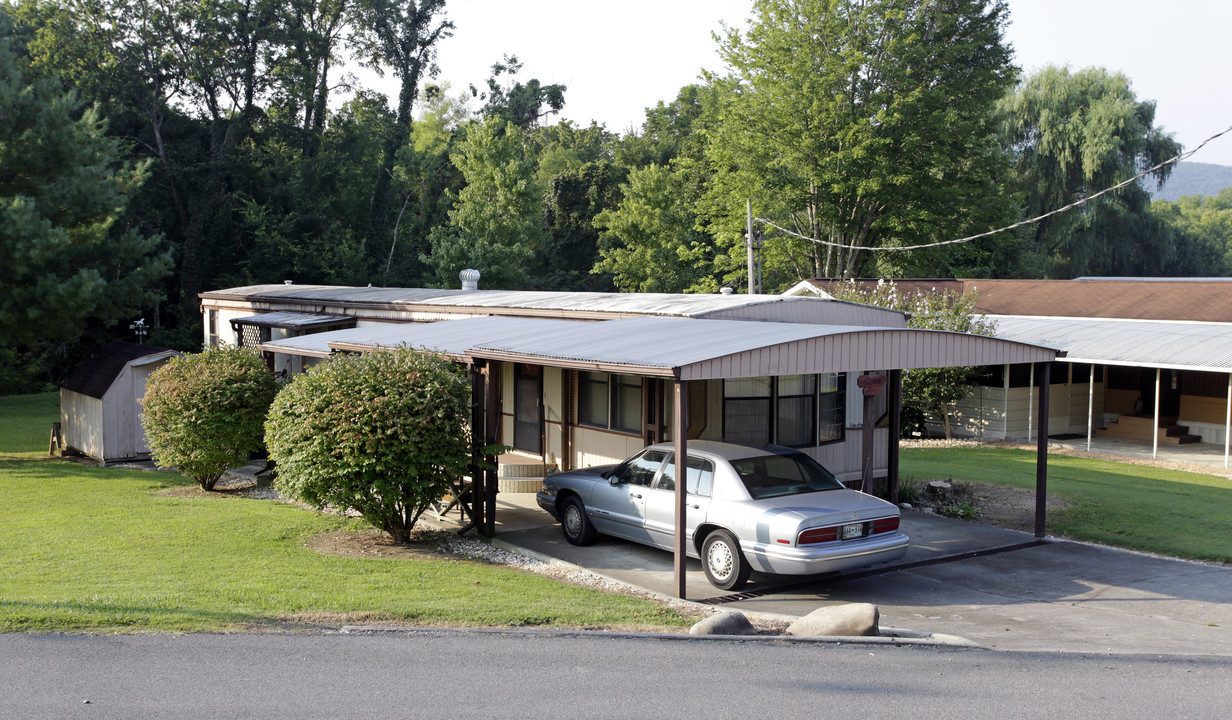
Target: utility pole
pixel 748 241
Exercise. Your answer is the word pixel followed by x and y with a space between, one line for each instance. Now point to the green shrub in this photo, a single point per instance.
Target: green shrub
pixel 383 434
pixel 204 412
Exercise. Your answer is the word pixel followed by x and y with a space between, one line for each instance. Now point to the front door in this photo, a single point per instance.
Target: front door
pixel 528 408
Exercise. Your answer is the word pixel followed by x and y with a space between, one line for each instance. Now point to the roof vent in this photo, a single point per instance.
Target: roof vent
pixel 470 279
pixel 286 282
pixel 726 291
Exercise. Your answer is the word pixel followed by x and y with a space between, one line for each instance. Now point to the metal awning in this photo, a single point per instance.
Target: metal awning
pixel 291 320
pixel 683 348
pixel 1171 345
pixel 447 337
pixel 688 349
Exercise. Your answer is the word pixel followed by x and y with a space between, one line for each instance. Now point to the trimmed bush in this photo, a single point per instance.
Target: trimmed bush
pixel 383 434
pixel 204 413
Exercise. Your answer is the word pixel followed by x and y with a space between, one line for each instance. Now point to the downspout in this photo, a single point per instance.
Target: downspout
pixel 1030 401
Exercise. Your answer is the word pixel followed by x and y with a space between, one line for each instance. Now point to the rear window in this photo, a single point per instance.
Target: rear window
pixel 781 475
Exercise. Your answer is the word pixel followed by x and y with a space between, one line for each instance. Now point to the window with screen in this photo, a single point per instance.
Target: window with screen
pixel 610 401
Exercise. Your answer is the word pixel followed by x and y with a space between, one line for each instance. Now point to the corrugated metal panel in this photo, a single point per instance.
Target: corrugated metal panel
pixel 1144 343
pixel 452 337
pixel 292 320
pixel 727 348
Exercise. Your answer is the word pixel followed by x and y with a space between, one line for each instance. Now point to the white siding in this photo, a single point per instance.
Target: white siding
pixel 81 422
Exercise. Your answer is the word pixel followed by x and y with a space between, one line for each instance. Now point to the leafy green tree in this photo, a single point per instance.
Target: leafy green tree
pixel 69 261
pixel 649 243
pixel 383 434
pixel 496 222
pixel 928 390
pixel 401 35
pixel 518 103
pixel 1204 222
pixel 203 413
pixel 862 123
pixel 1071 134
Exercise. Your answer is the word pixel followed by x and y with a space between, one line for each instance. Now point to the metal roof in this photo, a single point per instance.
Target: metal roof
pixel 293 320
pixel 686 348
pixel 94 373
pixel 1193 299
pixel 1142 343
pixel 448 337
pixel 564 304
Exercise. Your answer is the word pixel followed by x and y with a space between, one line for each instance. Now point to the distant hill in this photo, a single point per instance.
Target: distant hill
pixel 1193 178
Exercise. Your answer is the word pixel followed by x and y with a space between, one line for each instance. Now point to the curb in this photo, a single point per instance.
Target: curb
pixel 894 641
pixel 889 636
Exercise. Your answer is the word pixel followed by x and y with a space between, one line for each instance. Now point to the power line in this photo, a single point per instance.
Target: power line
pixel 1058 211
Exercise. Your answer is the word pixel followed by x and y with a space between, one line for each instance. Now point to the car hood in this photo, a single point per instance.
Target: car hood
pixel 589 473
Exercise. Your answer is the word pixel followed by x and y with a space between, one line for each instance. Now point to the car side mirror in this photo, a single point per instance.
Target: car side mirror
pixel 613 480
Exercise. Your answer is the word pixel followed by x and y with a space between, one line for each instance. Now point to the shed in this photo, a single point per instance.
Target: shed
pixel 100 401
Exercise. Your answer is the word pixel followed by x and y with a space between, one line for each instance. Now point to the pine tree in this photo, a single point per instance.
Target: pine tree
pixel 63 190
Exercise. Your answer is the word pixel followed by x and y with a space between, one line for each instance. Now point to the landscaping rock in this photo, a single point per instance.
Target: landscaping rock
pixel 725 623
pixel 850 620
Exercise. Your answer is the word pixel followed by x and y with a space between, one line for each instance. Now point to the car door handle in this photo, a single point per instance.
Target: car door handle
pixel 695 507
pixel 636 495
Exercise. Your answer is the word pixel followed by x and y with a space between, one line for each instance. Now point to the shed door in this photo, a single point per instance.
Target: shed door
pixel 528 408
pixel 141 373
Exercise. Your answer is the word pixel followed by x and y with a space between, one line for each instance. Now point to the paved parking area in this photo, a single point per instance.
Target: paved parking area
pixel 1001 588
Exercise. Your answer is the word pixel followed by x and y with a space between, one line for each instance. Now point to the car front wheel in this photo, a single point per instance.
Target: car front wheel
pixel 573 521
pixel 723 562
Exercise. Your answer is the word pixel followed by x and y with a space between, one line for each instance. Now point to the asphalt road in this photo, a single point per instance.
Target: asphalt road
pixel 448 674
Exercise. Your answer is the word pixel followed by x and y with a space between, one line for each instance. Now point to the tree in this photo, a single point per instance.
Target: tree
pixel 383 434
pixel 203 413
pixel 928 390
pixel 496 222
pixel 518 103
pixel 1071 134
pixel 403 35
pixel 857 122
pixel 648 242
pixel 69 261
pixel 1204 224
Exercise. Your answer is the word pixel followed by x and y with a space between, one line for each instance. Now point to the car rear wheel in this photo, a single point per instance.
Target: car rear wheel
pixel 723 562
pixel 573 521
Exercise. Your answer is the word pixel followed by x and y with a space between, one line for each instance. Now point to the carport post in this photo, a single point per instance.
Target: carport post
pixel 896 429
pixel 1041 453
pixel 680 434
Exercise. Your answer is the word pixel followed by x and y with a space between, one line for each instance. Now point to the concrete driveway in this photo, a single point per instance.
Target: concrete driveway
pixel 1001 588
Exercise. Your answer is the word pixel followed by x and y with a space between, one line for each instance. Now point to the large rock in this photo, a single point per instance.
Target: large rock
pixel 725 623
pixel 844 620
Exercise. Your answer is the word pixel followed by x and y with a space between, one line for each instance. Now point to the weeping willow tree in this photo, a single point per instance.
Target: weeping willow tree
pixel 1069 135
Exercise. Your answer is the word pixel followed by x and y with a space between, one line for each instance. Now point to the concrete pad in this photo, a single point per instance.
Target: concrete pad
pixel 1019 596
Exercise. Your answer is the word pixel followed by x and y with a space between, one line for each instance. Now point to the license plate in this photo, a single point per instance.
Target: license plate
pixel 853 530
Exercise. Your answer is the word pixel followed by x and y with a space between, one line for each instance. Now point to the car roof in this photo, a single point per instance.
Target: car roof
pixel 727 451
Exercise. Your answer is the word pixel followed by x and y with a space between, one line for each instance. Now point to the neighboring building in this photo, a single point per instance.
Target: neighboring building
pixel 1147 359
pixel 578 379
pixel 100 401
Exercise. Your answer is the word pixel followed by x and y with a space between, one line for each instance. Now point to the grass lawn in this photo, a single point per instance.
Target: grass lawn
pixel 1169 512
pixel 103 550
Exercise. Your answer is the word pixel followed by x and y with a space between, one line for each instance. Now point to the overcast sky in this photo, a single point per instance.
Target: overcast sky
pixel 619 58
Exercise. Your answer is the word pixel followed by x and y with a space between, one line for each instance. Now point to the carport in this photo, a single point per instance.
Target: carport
pixel 683 351
pixel 687 350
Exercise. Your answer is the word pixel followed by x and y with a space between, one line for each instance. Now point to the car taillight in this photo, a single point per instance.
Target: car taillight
pixel 818 535
pixel 884 525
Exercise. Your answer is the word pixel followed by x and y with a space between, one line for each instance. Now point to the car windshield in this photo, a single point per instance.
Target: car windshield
pixel 780 475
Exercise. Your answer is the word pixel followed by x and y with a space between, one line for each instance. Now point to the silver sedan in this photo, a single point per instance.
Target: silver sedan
pixel 770 509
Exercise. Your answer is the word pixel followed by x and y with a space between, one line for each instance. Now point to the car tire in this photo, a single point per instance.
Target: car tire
pixel 575 524
pixel 723 561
